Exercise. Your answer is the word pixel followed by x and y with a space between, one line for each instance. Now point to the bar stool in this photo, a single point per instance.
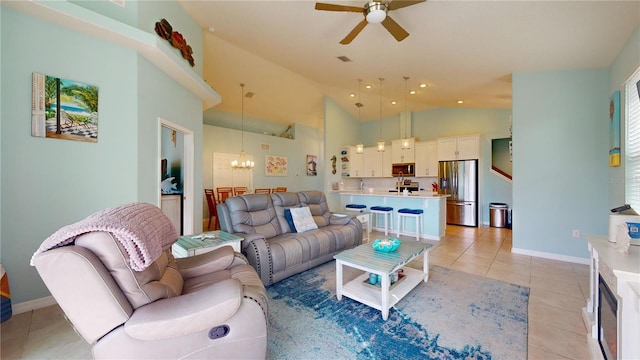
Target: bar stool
pixel 403 214
pixel 388 217
pixel 358 208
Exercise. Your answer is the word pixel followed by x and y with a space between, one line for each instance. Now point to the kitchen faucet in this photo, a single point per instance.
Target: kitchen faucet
pixel 401 176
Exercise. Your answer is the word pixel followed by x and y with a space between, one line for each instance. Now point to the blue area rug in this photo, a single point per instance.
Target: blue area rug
pixel 453 316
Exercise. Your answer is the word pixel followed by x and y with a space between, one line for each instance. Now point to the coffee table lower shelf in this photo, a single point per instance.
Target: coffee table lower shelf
pixel 372 296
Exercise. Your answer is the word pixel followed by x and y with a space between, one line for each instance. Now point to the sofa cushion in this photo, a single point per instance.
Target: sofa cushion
pixel 253 214
pixel 302 219
pixel 317 203
pixel 287 216
pixel 282 201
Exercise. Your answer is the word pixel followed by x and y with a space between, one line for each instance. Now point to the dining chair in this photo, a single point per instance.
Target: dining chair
pixel 224 192
pixel 262 191
pixel 279 189
pixel 239 190
pixel 213 211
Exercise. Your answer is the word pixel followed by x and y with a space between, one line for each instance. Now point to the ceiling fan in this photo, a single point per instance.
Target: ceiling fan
pixel 374 12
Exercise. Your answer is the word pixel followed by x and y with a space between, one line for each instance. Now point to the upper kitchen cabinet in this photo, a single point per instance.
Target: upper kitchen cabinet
pixel 352 162
pixel 426 159
pixel 376 163
pixel 400 155
pixel 458 148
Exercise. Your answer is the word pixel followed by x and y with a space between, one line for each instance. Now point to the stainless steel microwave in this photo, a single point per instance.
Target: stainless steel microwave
pixel 407 169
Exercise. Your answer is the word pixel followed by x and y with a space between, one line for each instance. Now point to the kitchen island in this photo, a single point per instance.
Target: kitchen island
pixel 434 206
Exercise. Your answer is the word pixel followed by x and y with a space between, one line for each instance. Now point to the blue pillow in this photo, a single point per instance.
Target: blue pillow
pixel 287 216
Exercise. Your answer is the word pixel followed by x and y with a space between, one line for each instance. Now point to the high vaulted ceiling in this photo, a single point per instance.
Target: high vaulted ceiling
pixel 463 50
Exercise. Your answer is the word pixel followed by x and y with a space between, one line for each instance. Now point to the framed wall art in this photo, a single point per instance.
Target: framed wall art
pixel 614 129
pixel 312 165
pixel 63 109
pixel 275 165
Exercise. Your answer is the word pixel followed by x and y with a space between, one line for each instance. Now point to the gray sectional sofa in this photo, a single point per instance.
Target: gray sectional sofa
pixel 270 244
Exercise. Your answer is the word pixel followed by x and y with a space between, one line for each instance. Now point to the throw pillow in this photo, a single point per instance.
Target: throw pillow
pixel 287 216
pixel 302 219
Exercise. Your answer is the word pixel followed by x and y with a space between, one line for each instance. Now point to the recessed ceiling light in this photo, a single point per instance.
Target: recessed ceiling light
pixel 393 102
pixel 211 29
pixel 412 92
pixel 352 95
pixel 423 85
pixel 368 86
pixel 460 101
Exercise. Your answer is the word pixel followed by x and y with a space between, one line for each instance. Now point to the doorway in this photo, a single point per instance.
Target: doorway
pixel 176 160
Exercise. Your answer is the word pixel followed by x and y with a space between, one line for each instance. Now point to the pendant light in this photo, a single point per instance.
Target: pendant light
pixel 405 142
pixel 381 142
pixel 243 163
pixel 359 147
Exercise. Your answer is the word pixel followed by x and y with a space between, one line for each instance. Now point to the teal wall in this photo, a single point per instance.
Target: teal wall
pixel 560 163
pixel 49 183
pixel 625 64
pixel 340 129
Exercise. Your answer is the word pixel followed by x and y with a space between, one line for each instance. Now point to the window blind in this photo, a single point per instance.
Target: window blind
pixel 632 143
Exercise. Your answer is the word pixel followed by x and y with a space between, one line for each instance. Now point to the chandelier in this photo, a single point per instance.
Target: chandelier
pixel 243 162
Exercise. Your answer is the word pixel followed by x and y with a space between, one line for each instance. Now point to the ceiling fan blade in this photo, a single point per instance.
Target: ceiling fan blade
pixel 394 28
pixel 397 4
pixel 334 7
pixel 352 35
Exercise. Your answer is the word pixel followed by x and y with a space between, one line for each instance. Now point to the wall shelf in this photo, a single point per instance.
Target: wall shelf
pixel 149 45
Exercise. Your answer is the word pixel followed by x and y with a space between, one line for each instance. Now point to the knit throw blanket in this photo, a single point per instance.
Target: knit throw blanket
pixel 142 229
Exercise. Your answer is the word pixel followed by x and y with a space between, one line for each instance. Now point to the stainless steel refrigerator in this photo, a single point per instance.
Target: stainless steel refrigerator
pixel 459 179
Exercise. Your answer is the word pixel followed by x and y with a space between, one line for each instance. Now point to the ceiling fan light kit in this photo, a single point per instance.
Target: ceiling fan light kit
pixel 375 11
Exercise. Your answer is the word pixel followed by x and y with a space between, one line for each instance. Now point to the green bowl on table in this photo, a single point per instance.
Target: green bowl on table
pixel 386 245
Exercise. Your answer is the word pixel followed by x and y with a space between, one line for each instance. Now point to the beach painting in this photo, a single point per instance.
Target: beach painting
pixel 63 109
pixel 312 165
pixel 275 165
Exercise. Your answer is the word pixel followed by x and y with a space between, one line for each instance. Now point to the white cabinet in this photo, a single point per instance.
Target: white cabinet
pixel 351 163
pixel 459 148
pixel 376 163
pixel 171 206
pixel 426 159
pixel 400 155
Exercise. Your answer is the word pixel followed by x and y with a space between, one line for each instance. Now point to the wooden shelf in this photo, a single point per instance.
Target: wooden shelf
pixel 149 45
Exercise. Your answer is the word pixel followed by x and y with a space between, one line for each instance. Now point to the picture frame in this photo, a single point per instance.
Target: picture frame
pixel 63 109
pixel 275 165
pixel 312 165
pixel 614 129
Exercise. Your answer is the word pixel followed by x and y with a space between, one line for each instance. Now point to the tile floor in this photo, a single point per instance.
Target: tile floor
pixel 558 292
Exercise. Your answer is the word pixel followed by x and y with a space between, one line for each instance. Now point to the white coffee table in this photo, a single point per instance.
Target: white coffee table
pixel 365 258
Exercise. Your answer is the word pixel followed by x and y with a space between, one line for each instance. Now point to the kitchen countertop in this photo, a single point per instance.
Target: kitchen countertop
pixel 415 194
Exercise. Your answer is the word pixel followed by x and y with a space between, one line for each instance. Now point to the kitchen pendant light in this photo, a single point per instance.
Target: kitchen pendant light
pixel 243 162
pixel 405 142
pixel 359 147
pixel 381 142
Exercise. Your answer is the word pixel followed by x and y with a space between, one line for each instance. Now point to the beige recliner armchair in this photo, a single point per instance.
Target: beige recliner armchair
pixel 208 306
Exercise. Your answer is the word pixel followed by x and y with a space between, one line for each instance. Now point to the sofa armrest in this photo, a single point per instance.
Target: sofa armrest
pixel 212 261
pixel 186 314
pixel 258 252
pixel 340 219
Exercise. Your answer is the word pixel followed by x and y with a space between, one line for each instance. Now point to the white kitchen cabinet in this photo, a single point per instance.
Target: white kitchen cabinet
pixel 426 159
pixel 376 163
pixel 458 148
pixel 357 164
pixel 400 155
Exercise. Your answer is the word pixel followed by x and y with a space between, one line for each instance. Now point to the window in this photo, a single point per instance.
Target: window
pixel 632 147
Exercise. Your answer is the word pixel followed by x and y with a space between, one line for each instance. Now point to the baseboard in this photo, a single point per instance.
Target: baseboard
pixel 31 305
pixel 552 256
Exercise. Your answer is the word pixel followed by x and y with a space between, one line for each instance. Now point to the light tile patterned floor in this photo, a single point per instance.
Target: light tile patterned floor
pixel 558 292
